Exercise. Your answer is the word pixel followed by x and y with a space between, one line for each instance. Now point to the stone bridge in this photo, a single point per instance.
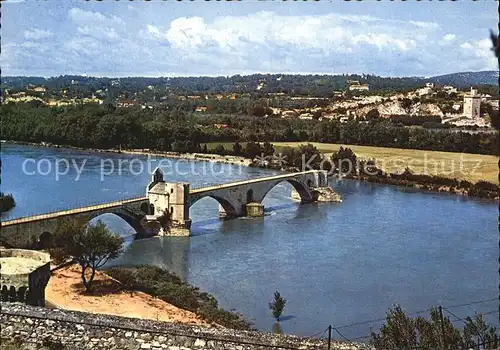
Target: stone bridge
pixel 145 214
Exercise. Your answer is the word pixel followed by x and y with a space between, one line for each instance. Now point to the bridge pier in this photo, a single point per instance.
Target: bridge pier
pixel 254 209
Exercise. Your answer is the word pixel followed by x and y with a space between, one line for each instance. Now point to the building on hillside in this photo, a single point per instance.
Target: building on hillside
pixel 220 126
pixel 201 109
pixel 338 93
pixel 306 116
pixel 450 89
pixel 18 95
pixel 472 103
pixel 126 103
pixel 429 85
pixel 289 114
pixel 494 103
pixel 355 85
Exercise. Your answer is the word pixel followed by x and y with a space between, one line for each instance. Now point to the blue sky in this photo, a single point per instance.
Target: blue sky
pixel 170 38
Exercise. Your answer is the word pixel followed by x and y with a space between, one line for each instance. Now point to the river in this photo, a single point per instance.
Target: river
pixel 335 263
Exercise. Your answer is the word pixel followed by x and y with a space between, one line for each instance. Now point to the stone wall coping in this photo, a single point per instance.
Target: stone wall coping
pixel 173 329
pixel 25 253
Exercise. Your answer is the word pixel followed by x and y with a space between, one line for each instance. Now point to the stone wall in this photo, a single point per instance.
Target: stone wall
pixel 35 326
pixel 24 275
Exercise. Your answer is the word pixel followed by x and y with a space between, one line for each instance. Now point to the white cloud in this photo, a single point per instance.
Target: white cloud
pixel 86 17
pixel 96 25
pixel 449 37
pixel 37 34
pixel 327 33
pixel 466 46
pixel 103 44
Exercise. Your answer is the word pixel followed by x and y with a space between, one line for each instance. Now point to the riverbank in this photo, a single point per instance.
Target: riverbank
pixel 65 290
pixel 463 166
pixel 168 287
pixel 481 189
pixel 392 159
pixel 209 157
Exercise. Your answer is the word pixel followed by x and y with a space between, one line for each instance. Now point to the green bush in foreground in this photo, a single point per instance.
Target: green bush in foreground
pixel 437 332
pixel 7 202
pixel 170 288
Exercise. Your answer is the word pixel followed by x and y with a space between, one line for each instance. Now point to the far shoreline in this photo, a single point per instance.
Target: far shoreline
pixel 242 161
pixel 208 157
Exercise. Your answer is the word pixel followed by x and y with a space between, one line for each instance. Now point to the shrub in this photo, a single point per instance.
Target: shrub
pixel 170 288
pixel 7 202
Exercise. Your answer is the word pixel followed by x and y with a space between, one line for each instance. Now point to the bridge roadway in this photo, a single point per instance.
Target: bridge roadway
pixel 201 190
pixel 69 212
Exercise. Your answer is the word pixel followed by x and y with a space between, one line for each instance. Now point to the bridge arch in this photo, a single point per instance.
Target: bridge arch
pixel 301 188
pixel 226 205
pixel 133 222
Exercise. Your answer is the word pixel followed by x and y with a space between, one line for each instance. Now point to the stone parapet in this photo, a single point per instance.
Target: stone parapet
pixel 34 326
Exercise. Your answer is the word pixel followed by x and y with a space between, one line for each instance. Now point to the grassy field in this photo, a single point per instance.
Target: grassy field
pixel 466 166
pixel 471 167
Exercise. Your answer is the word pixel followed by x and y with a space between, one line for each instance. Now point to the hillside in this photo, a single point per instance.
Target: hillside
pixel 466 79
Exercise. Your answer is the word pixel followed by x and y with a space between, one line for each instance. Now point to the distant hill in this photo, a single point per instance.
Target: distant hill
pixel 294 84
pixel 465 79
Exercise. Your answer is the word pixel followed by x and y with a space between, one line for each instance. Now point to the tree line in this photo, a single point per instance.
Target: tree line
pixel 103 126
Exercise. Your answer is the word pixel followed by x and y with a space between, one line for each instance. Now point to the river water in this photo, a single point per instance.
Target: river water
pixel 335 263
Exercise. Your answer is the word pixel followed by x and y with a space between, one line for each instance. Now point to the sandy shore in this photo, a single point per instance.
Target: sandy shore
pixel 209 157
pixel 190 156
pixel 65 288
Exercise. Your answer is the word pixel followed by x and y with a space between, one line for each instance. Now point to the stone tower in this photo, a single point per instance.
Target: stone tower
pixel 472 104
pixel 171 197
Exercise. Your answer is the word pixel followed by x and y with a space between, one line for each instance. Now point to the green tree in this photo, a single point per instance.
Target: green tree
pixel 310 157
pixel 165 220
pixel 268 149
pixel 477 331
pixel 252 150
pixel 7 202
pixel 438 333
pixel 220 150
pixel 237 149
pixel 92 247
pixel 345 161
pixel 373 114
pixel 277 305
pixel 66 229
pixel 398 333
pixel 401 332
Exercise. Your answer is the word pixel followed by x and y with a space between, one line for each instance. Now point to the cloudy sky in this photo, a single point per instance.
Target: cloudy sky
pixel 170 38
